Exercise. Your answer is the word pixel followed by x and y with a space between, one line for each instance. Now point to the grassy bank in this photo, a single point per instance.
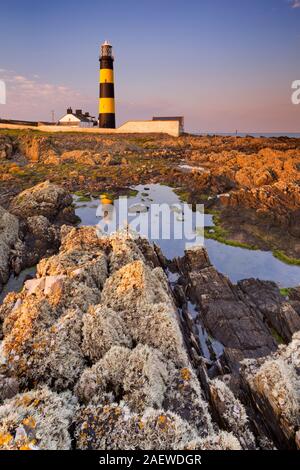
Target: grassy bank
pixel 286 259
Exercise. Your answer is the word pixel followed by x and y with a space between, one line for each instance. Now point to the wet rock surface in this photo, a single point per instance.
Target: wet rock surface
pixel 97 353
pixel 228 316
pixel 273 384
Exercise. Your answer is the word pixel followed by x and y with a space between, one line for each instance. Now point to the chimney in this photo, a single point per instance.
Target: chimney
pixel 69 111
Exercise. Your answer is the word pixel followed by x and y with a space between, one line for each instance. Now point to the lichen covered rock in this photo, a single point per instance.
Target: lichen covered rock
pixel 102 329
pixel 116 427
pixel 141 384
pixel 232 413
pixel 100 322
pixel 39 419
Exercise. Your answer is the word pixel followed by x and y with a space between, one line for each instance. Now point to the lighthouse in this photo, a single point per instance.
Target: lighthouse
pixel 107 93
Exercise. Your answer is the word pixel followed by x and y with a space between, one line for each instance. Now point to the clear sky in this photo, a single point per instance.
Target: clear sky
pixel 223 64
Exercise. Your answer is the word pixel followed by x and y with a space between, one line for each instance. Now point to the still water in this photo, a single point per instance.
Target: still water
pixel 236 263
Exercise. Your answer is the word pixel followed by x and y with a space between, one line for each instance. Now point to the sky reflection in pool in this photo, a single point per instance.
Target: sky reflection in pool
pixel 237 263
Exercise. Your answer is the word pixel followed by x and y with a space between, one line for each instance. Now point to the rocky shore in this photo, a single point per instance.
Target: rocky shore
pixel 30 228
pixel 99 352
pixel 112 346
pixel 251 184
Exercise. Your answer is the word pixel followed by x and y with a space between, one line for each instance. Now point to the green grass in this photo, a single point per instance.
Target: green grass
pixel 182 194
pixel 285 291
pixel 286 259
pixel 221 235
pixel 278 338
pixel 82 197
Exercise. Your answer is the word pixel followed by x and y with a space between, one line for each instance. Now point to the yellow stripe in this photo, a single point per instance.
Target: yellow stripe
pixel 106 76
pixel 106 105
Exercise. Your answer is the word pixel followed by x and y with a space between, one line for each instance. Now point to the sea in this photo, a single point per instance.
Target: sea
pixel 291 135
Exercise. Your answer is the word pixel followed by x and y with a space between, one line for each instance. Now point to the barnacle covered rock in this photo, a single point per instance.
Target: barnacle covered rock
pixel 133 285
pixel 138 377
pixel 106 375
pixel 184 397
pixel 141 294
pixel 43 334
pixel 84 266
pixel 46 199
pixel 102 329
pixel 37 420
pixel 274 386
pixel 115 427
pixel 219 441
pixel 231 413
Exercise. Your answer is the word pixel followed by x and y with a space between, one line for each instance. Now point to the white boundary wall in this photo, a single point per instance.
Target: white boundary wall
pixel 130 127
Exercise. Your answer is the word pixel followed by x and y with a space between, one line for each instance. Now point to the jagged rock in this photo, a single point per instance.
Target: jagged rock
pixel 140 385
pixel 279 202
pixel 37 420
pixel 123 252
pixel 43 334
pixel 114 427
pixel 9 232
pixel 231 413
pixel 9 387
pixel 38 148
pixel 100 321
pixel 266 297
pixel 6 147
pixel 273 384
pixel 141 294
pixel 39 238
pixel 102 329
pixel 45 199
pixel 230 320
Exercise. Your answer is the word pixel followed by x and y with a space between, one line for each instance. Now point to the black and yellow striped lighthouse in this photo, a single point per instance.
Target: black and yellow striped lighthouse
pixel 107 117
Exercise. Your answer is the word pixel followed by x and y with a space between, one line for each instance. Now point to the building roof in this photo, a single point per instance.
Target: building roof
pixel 77 116
pixel 167 118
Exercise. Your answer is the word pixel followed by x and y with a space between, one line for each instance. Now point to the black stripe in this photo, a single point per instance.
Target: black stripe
pixel 107 120
pixel 106 63
pixel 107 90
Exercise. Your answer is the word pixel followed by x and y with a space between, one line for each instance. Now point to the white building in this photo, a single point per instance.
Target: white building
pixel 77 119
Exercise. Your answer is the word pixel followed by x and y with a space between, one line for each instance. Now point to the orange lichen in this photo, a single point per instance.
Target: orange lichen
pixel 5 438
pixel 162 421
pixel 29 422
pixel 185 374
pixel 28 446
pixel 141 425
